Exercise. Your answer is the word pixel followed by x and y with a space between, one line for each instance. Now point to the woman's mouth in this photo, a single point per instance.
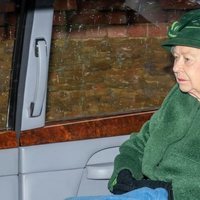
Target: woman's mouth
pixel 181 80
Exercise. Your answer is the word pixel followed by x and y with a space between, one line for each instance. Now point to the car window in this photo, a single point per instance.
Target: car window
pixel 106 58
pixel 8 16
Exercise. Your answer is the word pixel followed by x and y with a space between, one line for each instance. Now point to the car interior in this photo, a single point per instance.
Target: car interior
pixel 77 78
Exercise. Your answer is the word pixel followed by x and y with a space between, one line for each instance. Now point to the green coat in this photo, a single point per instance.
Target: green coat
pixel 167 147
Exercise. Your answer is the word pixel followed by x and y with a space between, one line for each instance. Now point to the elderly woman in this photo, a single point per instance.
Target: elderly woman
pixel 166 151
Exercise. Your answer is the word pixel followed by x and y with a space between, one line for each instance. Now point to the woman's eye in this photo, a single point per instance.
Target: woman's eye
pixel 187 59
pixel 175 58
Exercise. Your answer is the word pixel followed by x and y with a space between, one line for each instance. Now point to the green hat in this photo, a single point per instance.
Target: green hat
pixel 185 32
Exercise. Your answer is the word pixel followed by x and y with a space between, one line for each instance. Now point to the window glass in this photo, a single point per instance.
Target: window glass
pixel 7 37
pixel 106 57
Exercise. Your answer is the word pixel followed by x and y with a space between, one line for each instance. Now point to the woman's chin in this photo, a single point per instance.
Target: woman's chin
pixel 184 88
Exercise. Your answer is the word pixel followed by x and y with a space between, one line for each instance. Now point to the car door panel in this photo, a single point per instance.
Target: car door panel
pixel 60 170
pixel 9 187
pixel 9 174
pixel 51 185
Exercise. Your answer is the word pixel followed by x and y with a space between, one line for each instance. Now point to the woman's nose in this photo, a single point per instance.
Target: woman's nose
pixel 178 65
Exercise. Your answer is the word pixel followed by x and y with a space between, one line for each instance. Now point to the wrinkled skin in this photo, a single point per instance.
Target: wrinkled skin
pixel 187 69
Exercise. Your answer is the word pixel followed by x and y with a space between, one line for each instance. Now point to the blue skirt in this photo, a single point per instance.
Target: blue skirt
pixel 138 194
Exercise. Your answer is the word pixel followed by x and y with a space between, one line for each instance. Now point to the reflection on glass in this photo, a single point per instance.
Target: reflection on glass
pixel 106 57
pixel 7 31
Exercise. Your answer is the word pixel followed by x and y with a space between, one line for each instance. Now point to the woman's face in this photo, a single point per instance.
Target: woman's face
pixel 187 69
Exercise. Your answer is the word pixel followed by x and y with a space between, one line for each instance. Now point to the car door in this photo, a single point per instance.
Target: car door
pixel 78 166
pixel 50 171
pixel 78 91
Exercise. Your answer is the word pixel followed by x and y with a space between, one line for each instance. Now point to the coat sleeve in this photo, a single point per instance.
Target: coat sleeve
pixel 131 151
pixel 131 154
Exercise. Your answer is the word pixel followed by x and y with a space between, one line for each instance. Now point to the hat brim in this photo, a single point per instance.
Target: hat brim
pixel 168 44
